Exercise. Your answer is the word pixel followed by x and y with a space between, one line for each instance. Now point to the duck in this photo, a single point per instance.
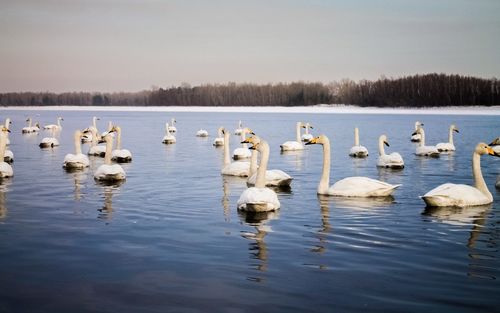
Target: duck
pixel 358 151
pixel 259 198
pixel 422 149
pixel 243 152
pixel 393 160
pixel 350 186
pixel 219 141
pixel 109 172
pixel 171 127
pixel 120 155
pixel 307 136
pixel 460 195
pixel 77 160
pixel 273 178
pixel 237 168
pixel 448 146
pixel 415 137
pixel 55 126
pixel 202 133
pixel 294 145
pixel 168 138
pixel 5 168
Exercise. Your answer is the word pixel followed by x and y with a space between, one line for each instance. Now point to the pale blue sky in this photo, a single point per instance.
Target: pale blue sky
pixel 130 45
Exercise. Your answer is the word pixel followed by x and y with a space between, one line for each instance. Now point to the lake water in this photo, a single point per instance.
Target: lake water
pixel 170 238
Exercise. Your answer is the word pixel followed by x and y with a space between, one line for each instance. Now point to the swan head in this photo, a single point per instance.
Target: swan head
pixel 60 118
pixel 495 142
pixel 384 140
pixel 106 135
pixel 37 124
pixel 28 119
pixel 418 124
pixel 254 140
pixel 306 125
pixel 5 129
pixel 454 128
pixel 247 130
pixel 483 148
pixel 321 139
pixel 419 131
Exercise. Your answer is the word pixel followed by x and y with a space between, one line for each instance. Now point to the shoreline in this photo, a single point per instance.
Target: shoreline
pixel 323 108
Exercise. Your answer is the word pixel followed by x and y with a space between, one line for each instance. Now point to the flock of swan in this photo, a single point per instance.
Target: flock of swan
pixel 258 197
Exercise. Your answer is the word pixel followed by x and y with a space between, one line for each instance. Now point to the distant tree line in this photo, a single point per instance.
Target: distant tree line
pixel 411 91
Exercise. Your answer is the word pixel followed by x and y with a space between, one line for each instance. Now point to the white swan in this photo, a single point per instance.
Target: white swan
pixel 7 126
pixel 49 142
pixel 219 141
pixel 8 154
pixel 29 128
pixel 464 195
pixel 273 178
pixel 168 138
pixel 94 149
pixel 294 145
pixel 55 126
pixel 393 160
pixel 87 137
pixel 77 160
pixel 109 172
pixel 422 149
pixel 415 137
pixel 495 145
pixel 5 168
pixel 202 133
pixel 238 130
pixel 171 127
pixel 448 146
pixel 358 151
pixel 307 136
pixel 237 168
pixel 259 198
pixel 120 155
pixel 243 152
pixel 350 186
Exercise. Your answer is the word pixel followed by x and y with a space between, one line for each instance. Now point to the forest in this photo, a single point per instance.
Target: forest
pixel 429 90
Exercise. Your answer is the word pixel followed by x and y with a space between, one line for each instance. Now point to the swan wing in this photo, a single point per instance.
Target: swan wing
pixel 6 170
pixel 238 168
pixel 291 145
pixel 273 178
pixel 242 152
pixel 109 172
pixel 455 195
pixel 445 146
pixel 361 187
pixel 258 200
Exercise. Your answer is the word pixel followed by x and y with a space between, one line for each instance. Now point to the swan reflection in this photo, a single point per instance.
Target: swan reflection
pixel 326 227
pixel 258 247
pixel 106 211
pixel 4 188
pixel 362 203
pixel 474 215
pixel 78 176
pixel 294 158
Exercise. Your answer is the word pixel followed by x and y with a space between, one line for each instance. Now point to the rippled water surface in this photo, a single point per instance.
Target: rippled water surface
pixel 170 238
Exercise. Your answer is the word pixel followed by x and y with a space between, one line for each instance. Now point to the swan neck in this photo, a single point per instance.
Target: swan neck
pixel 325 174
pixel 59 122
pixel 3 145
pixel 94 122
pixel 29 122
pixel 253 163
pixel 479 182
pixel 422 137
pixel 243 137
pixel 307 129
pixel 356 136
pixel 119 138
pixel 297 132
pixel 381 149
pixel 167 131
pixel 450 136
pixel 7 123
pixel 260 182
pixel 77 142
pixel 227 160
pixel 94 137
pixel 109 148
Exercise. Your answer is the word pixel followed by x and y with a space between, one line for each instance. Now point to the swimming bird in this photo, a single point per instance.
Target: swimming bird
pixel 448 146
pixel 460 195
pixel 49 142
pixel 108 172
pixel 307 136
pixel 393 160
pixel 358 151
pixel 243 152
pixel 120 155
pixel 238 130
pixel 77 160
pixel 171 127
pixel 422 149
pixel 5 169
pixel 237 168
pixel 273 178
pixel 168 138
pixel 294 145
pixel 29 128
pixel 8 154
pixel 259 198
pixel 415 137
pixel 7 124
pixel 202 133
pixel 350 186
pixel 495 145
pixel 94 149
pixel 219 141
pixel 87 137
pixel 55 126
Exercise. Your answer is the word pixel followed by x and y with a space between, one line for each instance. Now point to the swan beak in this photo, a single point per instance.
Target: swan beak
pixel 252 133
pixel 492 152
pixel 246 141
pixel 414 133
pixel 310 126
pixel 456 130
pixel 312 141
pixel 421 124
pixel 386 143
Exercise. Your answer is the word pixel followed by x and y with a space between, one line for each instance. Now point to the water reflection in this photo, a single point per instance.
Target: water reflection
pixel 258 247
pixel 106 211
pixel 294 158
pixel 78 176
pixel 326 227
pixel 362 203
pixel 474 215
pixel 4 188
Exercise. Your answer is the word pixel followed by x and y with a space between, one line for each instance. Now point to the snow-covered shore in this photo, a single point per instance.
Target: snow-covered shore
pixel 327 109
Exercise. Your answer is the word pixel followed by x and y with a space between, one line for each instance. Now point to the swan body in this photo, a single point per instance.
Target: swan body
pixel 202 133
pixel 238 168
pixel 8 156
pixel 460 195
pixel 238 130
pixel 94 149
pixel 109 172
pixel 219 141
pixel 307 136
pixel 171 127
pixel 448 146
pixel 87 137
pixel 415 137
pixel 5 169
pixel 49 142
pixel 168 138
pixel 77 160
pixel 29 128
pixel 259 198
pixel 6 126
pixel 120 155
pixel 393 160
pixel 294 145
pixel 422 149
pixel 55 126
pixel 350 186
pixel 358 151
pixel 243 152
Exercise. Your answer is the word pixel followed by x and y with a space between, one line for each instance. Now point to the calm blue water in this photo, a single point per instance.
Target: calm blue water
pixel 170 239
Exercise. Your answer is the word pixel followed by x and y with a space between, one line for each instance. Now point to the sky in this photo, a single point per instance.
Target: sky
pixel 134 45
